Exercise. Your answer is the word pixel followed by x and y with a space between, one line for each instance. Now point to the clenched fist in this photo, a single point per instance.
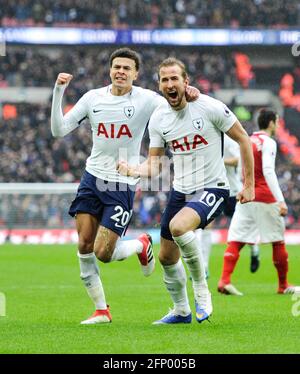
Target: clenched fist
pixel 246 195
pixel 123 168
pixel 64 78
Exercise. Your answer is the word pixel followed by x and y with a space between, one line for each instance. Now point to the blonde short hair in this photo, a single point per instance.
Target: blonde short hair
pixel 171 61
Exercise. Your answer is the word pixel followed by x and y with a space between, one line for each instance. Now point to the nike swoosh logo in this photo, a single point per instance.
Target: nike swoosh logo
pixel 166 132
pixel 96 111
pixel 118 225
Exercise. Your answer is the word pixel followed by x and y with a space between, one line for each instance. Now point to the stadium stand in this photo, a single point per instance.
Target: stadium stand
pixel 150 13
pixel 210 70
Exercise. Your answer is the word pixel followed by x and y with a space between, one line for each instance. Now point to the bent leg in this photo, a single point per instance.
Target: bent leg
pixel 199 212
pixel 181 227
pixel 113 225
pixel 109 248
pixel 183 223
pixel 105 244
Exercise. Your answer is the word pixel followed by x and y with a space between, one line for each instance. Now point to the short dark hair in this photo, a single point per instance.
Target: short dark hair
pixel 265 116
pixel 127 53
pixel 171 61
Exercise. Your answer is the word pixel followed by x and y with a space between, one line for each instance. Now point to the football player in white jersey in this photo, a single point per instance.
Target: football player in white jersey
pixel 118 115
pixel 194 134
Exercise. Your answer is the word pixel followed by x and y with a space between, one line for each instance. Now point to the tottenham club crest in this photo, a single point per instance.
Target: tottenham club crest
pixel 129 111
pixel 198 123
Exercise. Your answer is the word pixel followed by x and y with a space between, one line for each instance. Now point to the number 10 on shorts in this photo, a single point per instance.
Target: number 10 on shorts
pixel 209 199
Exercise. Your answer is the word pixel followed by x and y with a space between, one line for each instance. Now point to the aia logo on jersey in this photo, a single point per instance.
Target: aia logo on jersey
pixel 129 111
pixel 111 131
pixel 187 144
pixel 198 124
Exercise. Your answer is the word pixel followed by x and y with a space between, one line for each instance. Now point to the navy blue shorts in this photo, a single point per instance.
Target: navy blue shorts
pixel 208 203
pixel 229 206
pixel 110 202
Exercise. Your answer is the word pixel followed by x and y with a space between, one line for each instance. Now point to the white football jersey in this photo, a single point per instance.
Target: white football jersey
pixel 232 150
pixel 118 124
pixel 194 136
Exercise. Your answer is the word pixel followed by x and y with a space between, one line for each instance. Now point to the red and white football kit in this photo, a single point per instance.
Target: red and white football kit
pixel 260 220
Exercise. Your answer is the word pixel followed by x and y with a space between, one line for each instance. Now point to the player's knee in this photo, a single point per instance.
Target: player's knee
pixel 85 246
pixel 103 253
pixel 176 228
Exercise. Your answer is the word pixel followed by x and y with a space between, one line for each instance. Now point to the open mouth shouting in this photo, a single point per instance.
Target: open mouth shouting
pixel 172 96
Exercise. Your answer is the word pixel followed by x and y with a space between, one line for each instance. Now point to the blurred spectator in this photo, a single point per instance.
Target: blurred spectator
pixel 33 66
pixel 150 13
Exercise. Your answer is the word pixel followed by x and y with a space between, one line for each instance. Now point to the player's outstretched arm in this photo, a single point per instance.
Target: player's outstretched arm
pixel 149 167
pixel 61 125
pixel 237 133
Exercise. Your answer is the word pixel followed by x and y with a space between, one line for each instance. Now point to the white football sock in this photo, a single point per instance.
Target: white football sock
pixel 191 253
pixel 204 236
pixel 89 273
pixel 126 248
pixel 254 249
pixel 175 281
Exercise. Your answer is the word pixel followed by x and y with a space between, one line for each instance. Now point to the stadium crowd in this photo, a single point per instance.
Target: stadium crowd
pixel 33 155
pixel 89 66
pixel 150 13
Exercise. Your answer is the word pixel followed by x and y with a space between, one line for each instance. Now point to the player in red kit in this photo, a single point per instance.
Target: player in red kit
pixel 261 219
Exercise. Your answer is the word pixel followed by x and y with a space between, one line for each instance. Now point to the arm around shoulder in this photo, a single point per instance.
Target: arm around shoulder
pixel 148 168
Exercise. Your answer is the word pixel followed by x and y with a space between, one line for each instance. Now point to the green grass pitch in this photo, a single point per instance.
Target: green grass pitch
pixel 45 302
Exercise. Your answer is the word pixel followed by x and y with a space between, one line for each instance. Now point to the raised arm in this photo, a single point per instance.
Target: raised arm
pixel 237 133
pixel 61 124
pixel 149 167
